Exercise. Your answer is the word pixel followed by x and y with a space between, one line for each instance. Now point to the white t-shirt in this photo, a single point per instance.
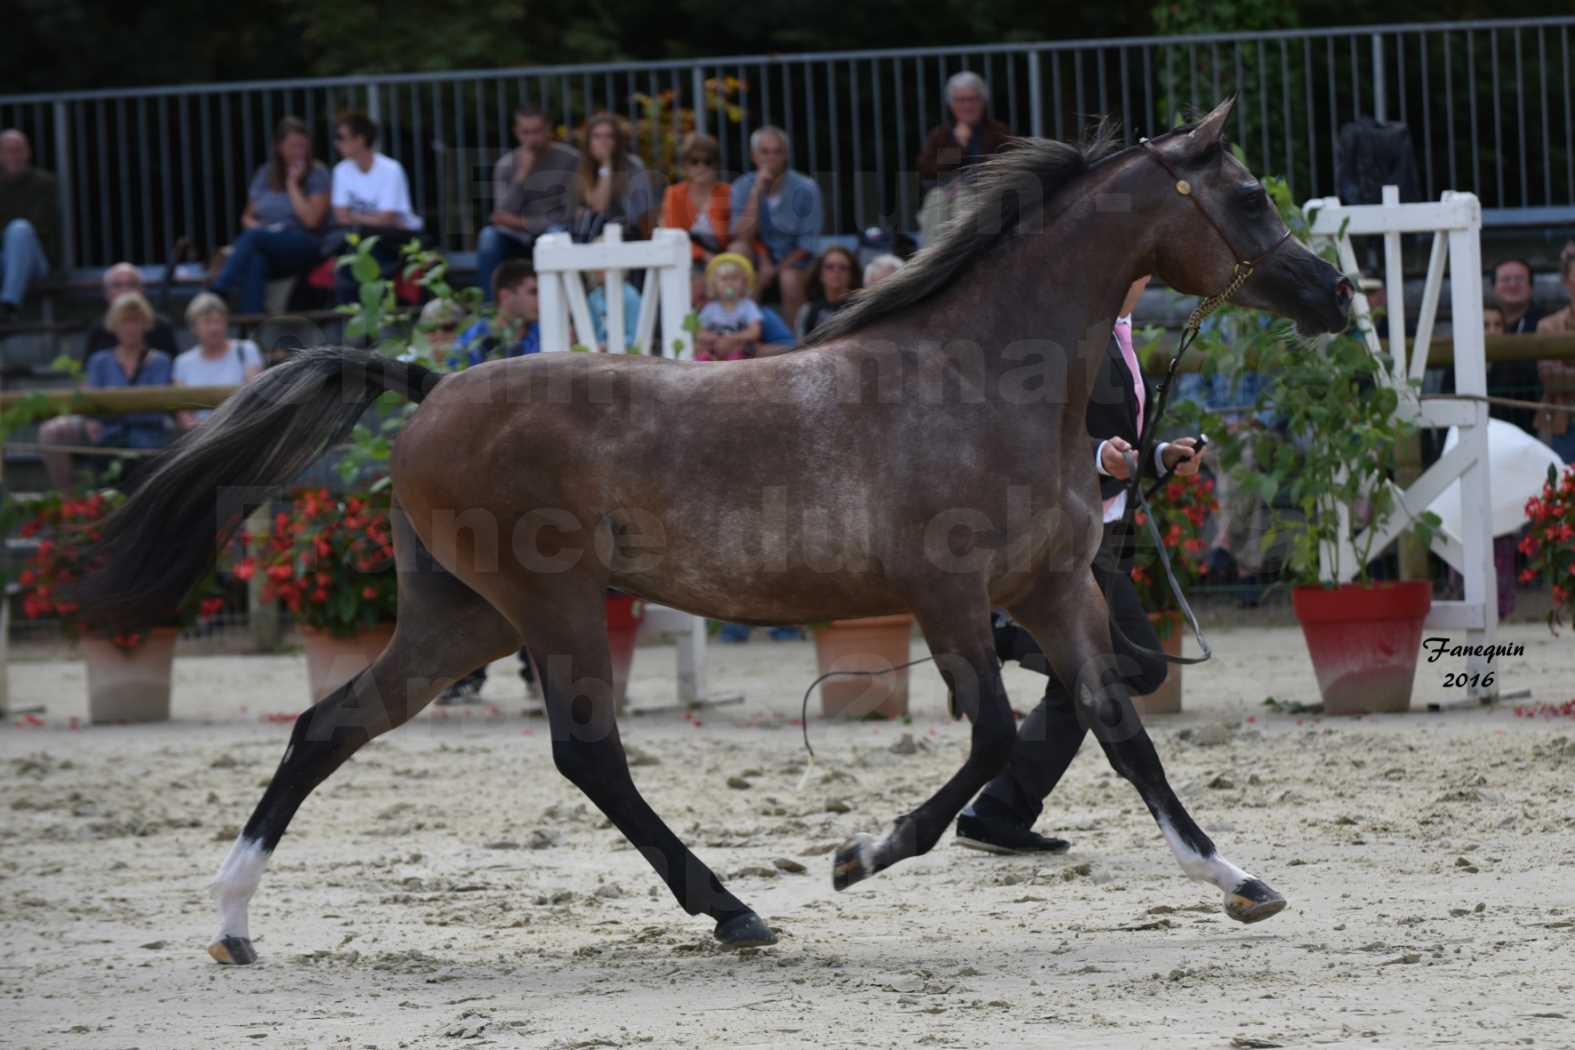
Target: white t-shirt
pixel 193 368
pixel 383 187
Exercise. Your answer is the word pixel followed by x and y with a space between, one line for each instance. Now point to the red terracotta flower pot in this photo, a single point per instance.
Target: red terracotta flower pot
pixel 624 616
pixel 332 660
pixel 1364 642
pixel 1166 700
pixel 130 686
pixel 877 643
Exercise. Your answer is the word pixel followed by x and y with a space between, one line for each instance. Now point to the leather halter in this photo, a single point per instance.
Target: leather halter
pixel 1243 268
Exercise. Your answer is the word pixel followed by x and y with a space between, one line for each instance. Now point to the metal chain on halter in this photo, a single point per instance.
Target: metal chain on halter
pixel 1239 276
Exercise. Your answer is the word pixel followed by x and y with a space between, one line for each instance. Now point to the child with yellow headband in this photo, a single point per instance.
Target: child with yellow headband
pixel 730 321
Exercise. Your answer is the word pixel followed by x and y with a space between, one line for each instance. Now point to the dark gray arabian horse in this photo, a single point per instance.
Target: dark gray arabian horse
pixel 925 453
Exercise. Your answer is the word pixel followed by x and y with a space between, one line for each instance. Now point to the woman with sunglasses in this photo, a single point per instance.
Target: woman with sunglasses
pixel 701 203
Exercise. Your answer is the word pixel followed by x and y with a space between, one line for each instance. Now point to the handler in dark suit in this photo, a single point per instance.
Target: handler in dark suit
pixel 1001 819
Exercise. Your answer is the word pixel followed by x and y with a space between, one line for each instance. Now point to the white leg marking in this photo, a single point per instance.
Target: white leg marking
pixel 1215 870
pixel 233 886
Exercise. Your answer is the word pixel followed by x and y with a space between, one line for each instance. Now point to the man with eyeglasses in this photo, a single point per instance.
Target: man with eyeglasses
pixel 125 279
pixel 776 217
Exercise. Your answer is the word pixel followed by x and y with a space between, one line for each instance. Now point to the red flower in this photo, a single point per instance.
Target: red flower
pixel 246 569
pixel 369 592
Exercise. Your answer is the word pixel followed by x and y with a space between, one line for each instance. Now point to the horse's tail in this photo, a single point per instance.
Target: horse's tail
pixel 195 494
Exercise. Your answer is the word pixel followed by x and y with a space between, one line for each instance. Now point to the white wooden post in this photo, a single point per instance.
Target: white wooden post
pixel 666 260
pixel 1456 222
pixel 1465 300
pixel 612 292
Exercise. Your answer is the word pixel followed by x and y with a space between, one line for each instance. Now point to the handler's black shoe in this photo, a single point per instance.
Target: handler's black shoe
pixel 1003 836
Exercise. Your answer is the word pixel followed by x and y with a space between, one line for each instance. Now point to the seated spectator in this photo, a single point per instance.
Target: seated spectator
pixel 1515 379
pixel 1492 319
pixel 286 212
pixel 880 268
pixel 612 184
pixel 370 197
pixel 125 279
pixel 29 220
pixel 730 324
pixel 596 302
pixel 216 360
pixel 1557 429
pixel 532 194
pixel 131 362
pixel 515 329
pixel 702 203
pixel 832 281
pixel 777 219
pixel 439 325
pixel 967 136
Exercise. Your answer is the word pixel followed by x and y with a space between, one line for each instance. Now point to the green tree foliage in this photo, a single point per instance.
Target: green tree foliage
pixel 58 45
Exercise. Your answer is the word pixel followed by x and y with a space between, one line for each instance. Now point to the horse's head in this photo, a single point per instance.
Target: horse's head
pixel 1218 217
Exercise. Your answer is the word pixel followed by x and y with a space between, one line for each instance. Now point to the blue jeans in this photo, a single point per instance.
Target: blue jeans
pixel 22 260
pixel 260 256
pixel 1564 445
pixel 495 245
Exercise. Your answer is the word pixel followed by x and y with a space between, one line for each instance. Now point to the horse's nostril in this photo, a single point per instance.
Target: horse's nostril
pixel 1344 293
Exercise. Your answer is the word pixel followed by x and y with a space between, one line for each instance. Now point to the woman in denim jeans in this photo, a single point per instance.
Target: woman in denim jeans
pixel 285 211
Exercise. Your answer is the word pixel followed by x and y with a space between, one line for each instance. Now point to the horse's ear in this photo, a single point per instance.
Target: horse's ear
pixel 1205 138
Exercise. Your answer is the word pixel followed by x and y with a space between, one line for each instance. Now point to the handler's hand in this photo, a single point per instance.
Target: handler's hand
pixel 1111 457
pixel 1181 456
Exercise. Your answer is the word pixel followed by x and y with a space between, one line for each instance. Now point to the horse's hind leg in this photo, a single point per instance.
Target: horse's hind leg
pixel 445 631
pixel 564 624
pixel 957 629
pixel 1070 620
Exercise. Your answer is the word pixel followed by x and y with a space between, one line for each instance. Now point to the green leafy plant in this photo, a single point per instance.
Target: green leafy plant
pixel 1335 444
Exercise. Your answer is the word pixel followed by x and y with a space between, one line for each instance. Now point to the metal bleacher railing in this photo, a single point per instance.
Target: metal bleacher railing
pixel 1489 105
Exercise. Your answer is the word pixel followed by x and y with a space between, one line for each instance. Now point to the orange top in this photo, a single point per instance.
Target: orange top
pixel 678 212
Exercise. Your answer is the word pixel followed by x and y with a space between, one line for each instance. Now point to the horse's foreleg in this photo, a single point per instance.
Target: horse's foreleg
pixel 958 634
pixel 1079 649
pixel 566 634
pixel 445 631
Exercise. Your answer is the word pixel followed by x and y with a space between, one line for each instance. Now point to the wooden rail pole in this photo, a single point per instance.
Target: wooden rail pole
pixel 262 616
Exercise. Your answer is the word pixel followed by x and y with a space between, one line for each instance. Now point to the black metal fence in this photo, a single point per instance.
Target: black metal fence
pixel 1489 105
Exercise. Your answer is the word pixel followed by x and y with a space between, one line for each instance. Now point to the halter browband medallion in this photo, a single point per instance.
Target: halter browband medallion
pixel 1240 272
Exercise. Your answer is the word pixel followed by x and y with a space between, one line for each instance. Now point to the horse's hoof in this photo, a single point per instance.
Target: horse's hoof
pixel 853 862
pixel 1253 901
pixel 233 951
pixel 746 930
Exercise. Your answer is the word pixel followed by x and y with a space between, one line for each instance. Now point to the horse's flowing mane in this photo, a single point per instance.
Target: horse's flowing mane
pixel 1014 185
